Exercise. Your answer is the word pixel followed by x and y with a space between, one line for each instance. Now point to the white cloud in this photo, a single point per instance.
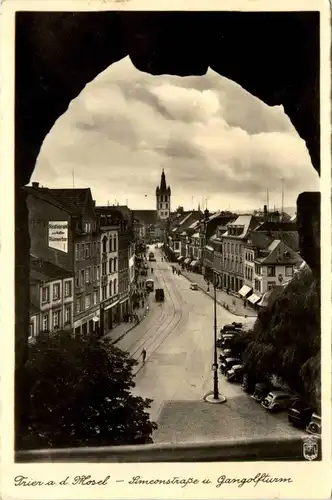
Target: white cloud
pixel 213 138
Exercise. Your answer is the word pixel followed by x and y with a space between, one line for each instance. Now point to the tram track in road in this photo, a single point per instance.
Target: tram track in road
pixel 166 329
pixel 144 340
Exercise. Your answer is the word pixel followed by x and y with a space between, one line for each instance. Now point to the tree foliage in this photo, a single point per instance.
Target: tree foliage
pixel 80 395
pixel 286 337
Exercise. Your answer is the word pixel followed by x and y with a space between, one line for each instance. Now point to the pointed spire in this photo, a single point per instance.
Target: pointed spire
pixel 163 181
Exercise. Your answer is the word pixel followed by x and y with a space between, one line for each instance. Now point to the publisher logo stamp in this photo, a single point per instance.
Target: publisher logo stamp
pixel 310 448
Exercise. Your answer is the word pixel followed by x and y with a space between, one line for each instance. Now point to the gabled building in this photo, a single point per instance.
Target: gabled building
pixel 181 230
pixel 51 298
pixel 274 266
pixel 233 243
pixel 64 230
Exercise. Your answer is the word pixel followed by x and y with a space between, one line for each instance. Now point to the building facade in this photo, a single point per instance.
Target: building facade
pixel 233 244
pixel 209 242
pixel 273 266
pixel 51 298
pixel 64 230
pixel 123 219
pixel 109 297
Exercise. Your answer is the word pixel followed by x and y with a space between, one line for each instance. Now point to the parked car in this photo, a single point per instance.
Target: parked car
pixel 227 328
pixel 144 272
pixel 225 353
pixel 261 390
pixel 193 286
pixel 315 424
pixel 235 374
pixel 227 363
pixel 248 383
pixel 299 414
pixel 237 325
pixel 226 340
pixel 277 400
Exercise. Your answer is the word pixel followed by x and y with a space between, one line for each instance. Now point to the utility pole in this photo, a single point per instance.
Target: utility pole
pixel 282 195
pixel 267 199
pixel 73 179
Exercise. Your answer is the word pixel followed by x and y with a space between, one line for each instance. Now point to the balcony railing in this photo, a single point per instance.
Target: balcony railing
pixel 283 449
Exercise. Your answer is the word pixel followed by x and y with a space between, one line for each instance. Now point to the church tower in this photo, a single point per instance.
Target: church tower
pixel 163 198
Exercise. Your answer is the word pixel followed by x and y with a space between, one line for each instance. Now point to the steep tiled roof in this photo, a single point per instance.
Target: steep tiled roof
pixel 246 221
pixel 70 200
pixel 149 217
pixel 278 252
pixel 43 271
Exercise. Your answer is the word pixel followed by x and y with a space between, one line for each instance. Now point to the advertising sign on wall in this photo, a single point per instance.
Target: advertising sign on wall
pixel 58 235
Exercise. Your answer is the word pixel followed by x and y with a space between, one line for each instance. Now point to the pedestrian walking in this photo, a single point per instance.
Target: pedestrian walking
pixel 144 355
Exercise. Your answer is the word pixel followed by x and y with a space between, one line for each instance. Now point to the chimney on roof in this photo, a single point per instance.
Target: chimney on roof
pixel 94 202
pixel 35 185
pixel 265 213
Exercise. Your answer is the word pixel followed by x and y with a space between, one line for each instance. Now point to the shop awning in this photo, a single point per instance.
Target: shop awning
pixel 244 290
pixel 254 298
pixel 181 257
pixel 187 261
pixel 194 263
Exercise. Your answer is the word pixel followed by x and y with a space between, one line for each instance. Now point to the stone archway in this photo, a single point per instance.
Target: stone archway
pixel 274 56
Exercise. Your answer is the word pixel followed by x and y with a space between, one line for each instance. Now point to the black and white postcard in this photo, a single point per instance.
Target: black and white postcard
pixel 165 249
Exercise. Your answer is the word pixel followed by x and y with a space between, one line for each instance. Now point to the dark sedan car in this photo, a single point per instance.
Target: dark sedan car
pixel 261 390
pixel 299 414
pixel 225 353
pixel 248 383
pixel 227 364
pixel 235 374
pixel 224 339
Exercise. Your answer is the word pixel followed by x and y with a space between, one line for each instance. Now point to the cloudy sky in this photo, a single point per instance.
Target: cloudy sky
pixel 215 141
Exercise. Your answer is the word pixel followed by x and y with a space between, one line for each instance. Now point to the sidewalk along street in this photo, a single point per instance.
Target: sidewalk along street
pixel 228 301
pixel 119 331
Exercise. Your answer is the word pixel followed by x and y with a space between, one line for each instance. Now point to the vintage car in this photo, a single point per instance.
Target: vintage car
pixel 225 353
pixel 248 383
pixel 193 286
pixel 261 390
pixel 227 363
pixel 315 424
pixel 235 374
pixel 152 257
pixel 299 414
pixel 277 400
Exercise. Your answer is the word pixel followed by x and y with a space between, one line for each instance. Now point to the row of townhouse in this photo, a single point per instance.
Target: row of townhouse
pixel 189 237
pixel 250 255
pixel 92 252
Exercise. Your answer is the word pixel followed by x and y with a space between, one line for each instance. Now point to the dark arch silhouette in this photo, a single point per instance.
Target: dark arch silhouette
pixel 274 56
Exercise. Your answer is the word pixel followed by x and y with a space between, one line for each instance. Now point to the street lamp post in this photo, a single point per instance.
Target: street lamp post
pixel 215 359
pixel 215 397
